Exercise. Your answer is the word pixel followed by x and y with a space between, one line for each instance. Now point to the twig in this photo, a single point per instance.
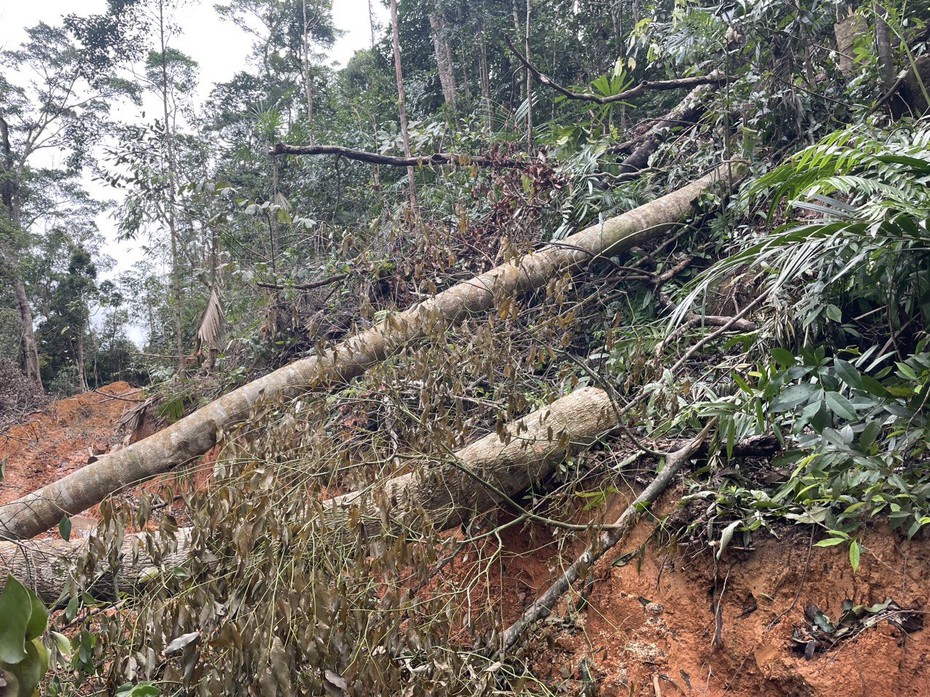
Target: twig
pixel 439 158
pixel 731 322
pixel 714 78
pixel 117 397
pixel 304 286
pixel 609 538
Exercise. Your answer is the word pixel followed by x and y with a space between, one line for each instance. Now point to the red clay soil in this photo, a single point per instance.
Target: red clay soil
pixel 62 437
pixel 648 626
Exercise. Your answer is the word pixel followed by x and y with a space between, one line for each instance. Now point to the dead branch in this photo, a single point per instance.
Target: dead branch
pixel 304 286
pixel 438 158
pixel 714 78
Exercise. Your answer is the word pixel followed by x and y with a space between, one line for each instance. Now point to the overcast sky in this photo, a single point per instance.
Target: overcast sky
pixel 220 48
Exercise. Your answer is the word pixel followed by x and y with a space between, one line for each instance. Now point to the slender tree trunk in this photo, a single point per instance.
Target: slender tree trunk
pixel 9 197
pixel 402 103
pixel 190 437
pixel 529 82
pixel 171 209
pixel 371 22
pixel 79 358
pixel 484 77
pixel 883 47
pixel 30 346
pixel 305 71
pixel 443 54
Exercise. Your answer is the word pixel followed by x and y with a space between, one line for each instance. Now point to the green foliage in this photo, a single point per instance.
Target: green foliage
pixel 23 656
pixel 863 249
pixel 858 443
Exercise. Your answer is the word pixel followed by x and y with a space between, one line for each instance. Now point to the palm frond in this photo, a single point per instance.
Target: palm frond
pixel 870 193
pixel 211 324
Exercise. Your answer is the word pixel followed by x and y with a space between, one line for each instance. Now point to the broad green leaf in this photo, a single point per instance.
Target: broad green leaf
pixel 15 612
pixel 830 542
pixel 847 373
pixel 29 671
pixel 64 528
pixel 792 397
pixel 854 555
pixel 868 435
pixel 873 386
pixel 906 371
pixel 783 357
pixel 840 406
pixel 727 536
pixel 63 642
pixel 38 619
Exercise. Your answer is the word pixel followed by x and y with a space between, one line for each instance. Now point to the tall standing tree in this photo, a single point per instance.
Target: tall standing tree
pixel 402 102
pixel 51 102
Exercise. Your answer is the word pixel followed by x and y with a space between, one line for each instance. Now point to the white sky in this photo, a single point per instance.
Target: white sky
pixel 220 48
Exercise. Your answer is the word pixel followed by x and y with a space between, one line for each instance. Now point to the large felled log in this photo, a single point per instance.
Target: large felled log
pixel 193 435
pixel 447 495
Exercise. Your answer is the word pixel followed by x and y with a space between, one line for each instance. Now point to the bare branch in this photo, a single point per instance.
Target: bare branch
pixel 439 158
pixel 304 286
pixel 715 78
pixel 543 605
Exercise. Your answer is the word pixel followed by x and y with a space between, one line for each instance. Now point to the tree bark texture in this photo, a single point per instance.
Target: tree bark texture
pixel 447 493
pixel 443 53
pixel 190 437
pixel 30 346
pixel 687 111
pixel 402 102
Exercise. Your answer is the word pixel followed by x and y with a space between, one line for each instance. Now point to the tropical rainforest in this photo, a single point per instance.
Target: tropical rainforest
pixel 542 347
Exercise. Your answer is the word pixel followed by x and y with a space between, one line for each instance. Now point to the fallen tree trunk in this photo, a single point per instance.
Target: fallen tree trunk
pixel 196 433
pixel 445 495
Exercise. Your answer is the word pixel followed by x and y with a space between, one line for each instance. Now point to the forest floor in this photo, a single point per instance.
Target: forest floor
pixel 659 619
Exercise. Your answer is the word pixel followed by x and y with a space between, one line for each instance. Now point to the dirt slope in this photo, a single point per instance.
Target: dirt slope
pixel 648 628
pixel 62 437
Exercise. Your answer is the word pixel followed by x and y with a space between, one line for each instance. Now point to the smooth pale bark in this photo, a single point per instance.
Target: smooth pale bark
pixel 446 493
pixel 193 435
pixel 46 565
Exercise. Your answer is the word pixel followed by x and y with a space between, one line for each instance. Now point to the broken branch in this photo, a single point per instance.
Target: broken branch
pixel 714 78
pixel 608 539
pixel 438 158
